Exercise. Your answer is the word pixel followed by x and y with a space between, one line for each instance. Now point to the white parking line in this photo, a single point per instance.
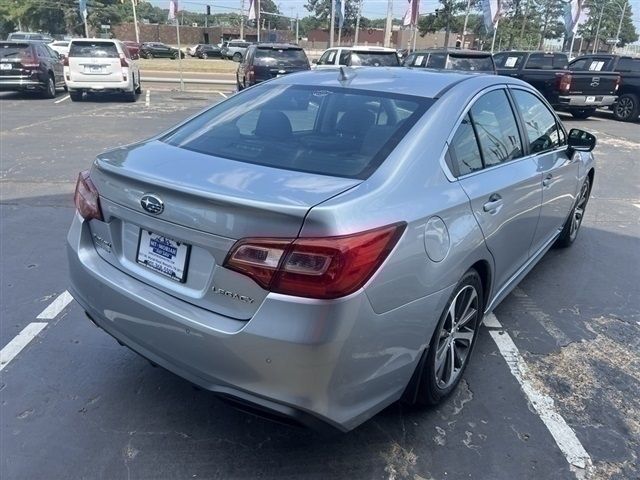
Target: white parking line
pixel 56 306
pixel 15 346
pixel 544 406
pixel 62 99
pixel 223 95
pixel 147 98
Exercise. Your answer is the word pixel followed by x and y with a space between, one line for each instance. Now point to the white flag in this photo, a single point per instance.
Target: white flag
pixel 411 15
pixel 492 10
pixel 173 9
pixel 252 10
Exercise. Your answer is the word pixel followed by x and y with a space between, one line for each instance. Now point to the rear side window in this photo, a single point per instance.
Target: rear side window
pixel 324 130
pixel 464 150
pixel 374 59
pixel 629 65
pixel 496 128
pixel 590 64
pixel 283 57
pixel 94 49
pixel 471 64
pixel 540 124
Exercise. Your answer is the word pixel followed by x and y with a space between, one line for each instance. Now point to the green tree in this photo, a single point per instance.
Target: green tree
pixel 607 14
pixel 321 9
pixel 448 17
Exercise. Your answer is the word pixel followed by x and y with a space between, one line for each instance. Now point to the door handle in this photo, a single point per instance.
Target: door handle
pixel 495 200
pixel 547 180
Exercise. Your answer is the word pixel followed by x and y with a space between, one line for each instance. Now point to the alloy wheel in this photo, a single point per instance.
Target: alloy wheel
pixel 624 107
pixel 456 336
pixel 578 211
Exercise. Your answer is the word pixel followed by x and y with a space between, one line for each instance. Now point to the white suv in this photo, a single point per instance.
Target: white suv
pixel 101 65
pixel 358 57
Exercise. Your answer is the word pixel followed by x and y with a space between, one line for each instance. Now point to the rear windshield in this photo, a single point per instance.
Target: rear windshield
pixel 11 50
pixel 375 59
pixel 94 49
pixel 283 56
pixel 470 64
pixel 547 61
pixel 331 131
pixel 508 60
pixel 17 36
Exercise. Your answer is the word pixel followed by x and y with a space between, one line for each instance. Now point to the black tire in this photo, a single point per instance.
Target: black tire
pixel 627 108
pixel 204 56
pixel 582 113
pixel 75 96
pixel 50 88
pixel 138 89
pixel 148 55
pixel 237 57
pixel 429 384
pixel 574 221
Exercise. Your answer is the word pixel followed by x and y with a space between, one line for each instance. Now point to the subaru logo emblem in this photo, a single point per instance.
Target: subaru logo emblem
pixel 152 204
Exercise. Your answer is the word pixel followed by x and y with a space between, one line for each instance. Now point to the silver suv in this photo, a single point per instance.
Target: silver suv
pixel 234 49
pixel 320 245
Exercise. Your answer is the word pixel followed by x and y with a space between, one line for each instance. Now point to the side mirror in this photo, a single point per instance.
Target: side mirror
pixel 314 61
pixel 61 56
pixel 581 141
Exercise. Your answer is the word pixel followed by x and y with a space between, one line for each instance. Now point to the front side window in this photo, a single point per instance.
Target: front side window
pixel 327 58
pixel 464 150
pixel 629 64
pixel 496 128
pixel 540 124
pixel 330 131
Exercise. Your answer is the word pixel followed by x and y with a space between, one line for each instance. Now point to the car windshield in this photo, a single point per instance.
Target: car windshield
pixel 375 59
pixel 330 131
pixel 8 50
pixel 93 49
pixel 282 56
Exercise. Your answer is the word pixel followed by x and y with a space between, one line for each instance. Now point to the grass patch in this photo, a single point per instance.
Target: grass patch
pixel 188 65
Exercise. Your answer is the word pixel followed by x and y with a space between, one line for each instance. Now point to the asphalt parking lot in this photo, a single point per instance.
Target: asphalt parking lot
pixel 74 404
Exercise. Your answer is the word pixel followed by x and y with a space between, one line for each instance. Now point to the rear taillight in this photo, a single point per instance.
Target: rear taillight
pixel 323 268
pixel 564 82
pixel 618 84
pixel 123 61
pixel 65 61
pixel 86 197
pixel 251 74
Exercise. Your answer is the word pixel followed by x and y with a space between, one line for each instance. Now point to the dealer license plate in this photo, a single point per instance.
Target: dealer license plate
pixel 591 99
pixel 5 66
pixel 163 255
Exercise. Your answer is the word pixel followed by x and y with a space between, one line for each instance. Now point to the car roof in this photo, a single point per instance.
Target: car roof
pixel 367 48
pixel 276 46
pixel 410 81
pixel 91 40
pixel 457 52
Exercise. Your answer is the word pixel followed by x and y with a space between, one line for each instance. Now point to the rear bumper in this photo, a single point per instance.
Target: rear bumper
pixel 585 100
pixel 21 84
pixel 330 362
pixel 89 86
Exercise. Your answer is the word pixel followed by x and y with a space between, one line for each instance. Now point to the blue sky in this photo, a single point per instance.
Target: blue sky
pixel 371 8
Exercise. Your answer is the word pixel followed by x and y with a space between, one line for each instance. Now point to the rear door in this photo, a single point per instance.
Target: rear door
pixel 96 61
pixel 503 186
pixel 547 144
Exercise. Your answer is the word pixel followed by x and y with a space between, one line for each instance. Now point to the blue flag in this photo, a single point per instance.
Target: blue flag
pixel 83 8
pixel 340 12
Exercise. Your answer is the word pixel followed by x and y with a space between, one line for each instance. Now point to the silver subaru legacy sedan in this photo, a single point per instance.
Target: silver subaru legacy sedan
pixel 327 243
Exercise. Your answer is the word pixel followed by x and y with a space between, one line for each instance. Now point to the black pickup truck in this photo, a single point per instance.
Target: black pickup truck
pixel 627 107
pixel 578 93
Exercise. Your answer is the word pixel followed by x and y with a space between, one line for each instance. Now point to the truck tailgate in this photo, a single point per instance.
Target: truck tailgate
pixel 594 83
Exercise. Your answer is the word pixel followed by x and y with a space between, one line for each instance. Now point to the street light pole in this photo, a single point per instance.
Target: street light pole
pixel 332 23
pixel 466 20
pixel 595 42
pixel 135 20
pixel 624 10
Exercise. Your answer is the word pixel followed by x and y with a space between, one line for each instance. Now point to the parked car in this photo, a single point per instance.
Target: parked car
pixel 358 56
pixel 465 60
pixel 235 50
pixel 159 50
pixel 270 60
pixel 61 47
pixel 41 37
pixel 627 106
pixel 30 66
pixel 133 47
pixel 318 247
pixel 579 93
pixel 103 66
pixel 207 51
pixel 191 49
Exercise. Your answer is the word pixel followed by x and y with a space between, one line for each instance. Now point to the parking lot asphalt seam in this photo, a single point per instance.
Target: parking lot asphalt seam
pixel 55 307
pixel 17 344
pixel 544 406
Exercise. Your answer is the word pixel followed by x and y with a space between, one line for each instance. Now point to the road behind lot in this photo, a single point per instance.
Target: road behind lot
pixel 74 404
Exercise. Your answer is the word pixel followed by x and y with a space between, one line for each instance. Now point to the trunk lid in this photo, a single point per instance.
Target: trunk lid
pixel 17 60
pixel 209 203
pixel 94 61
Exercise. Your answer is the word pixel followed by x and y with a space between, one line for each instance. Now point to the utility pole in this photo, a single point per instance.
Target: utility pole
pixel 595 42
pixel 355 39
pixel 135 20
pixel 466 20
pixel 258 17
pixel 242 19
pixel 332 23
pixel 624 9
pixel 495 32
pixel 297 29
pixel 387 28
